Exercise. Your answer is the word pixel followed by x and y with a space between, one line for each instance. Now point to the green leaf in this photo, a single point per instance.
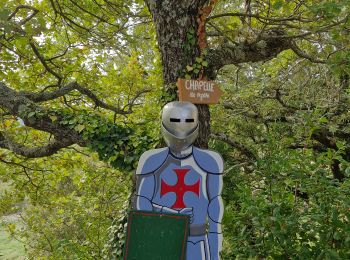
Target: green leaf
pixel 189 36
pixel 340 145
pixel 53 118
pixel 79 128
pixel 4 14
pixel 278 4
pixel 347 171
pixel 323 120
pixel 199 59
pixel 337 235
pixel 189 68
pixel 30 114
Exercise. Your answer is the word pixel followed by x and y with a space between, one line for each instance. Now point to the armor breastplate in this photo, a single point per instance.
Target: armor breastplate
pixel 180 183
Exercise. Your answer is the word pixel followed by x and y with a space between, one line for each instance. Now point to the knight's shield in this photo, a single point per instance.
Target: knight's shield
pixel 156 236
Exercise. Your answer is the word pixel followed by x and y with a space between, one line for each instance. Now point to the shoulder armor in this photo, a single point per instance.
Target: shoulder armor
pixel 208 160
pixel 151 160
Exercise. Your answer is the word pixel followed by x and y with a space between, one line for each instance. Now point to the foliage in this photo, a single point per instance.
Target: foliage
pixel 120 146
pixel 288 207
pixel 282 126
pixel 291 200
pixel 70 201
pixel 70 215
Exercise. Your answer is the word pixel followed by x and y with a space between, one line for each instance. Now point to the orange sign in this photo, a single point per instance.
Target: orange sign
pixel 199 91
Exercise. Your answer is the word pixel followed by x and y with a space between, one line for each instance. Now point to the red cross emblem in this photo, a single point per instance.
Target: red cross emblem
pixel 179 188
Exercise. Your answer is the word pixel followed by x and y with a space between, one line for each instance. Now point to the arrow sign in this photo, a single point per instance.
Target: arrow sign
pixel 199 91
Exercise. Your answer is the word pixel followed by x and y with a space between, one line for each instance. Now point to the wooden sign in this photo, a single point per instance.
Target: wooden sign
pixel 199 91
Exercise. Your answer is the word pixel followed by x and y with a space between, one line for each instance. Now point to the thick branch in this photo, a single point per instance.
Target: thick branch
pixel 259 17
pixel 266 48
pixel 35 152
pixel 337 173
pixel 19 105
pixel 322 136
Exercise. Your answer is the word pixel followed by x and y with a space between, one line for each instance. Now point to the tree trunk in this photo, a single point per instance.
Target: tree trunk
pixel 173 21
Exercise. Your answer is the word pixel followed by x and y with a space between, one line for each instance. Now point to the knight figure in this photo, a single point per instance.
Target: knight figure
pixel 184 179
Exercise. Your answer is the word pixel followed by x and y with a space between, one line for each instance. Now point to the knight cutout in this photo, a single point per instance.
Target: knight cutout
pixel 184 179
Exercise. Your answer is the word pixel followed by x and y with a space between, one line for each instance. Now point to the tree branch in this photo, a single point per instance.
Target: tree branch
pixel 34 12
pixel 304 55
pixel 259 17
pixel 244 150
pixel 43 61
pixel 337 173
pixel 46 96
pixel 36 152
pixel 266 48
pixel 24 166
pixel 19 105
pixel 22 105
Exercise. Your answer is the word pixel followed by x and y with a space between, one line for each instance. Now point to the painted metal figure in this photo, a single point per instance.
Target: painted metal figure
pixel 182 178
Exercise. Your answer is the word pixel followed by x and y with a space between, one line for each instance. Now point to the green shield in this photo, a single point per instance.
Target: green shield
pixel 156 236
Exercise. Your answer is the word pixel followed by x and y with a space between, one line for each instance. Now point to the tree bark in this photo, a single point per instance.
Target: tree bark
pixel 173 20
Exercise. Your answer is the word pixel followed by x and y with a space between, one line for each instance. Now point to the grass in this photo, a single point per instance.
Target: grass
pixel 10 249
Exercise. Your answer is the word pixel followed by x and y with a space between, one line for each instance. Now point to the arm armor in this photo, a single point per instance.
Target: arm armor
pixel 212 163
pixel 215 213
pixel 145 192
pixel 149 162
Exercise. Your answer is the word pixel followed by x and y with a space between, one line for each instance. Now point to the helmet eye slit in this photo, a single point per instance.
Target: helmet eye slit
pixel 189 120
pixel 175 119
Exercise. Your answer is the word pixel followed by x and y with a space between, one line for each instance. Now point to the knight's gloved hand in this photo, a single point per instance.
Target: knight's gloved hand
pixel 187 211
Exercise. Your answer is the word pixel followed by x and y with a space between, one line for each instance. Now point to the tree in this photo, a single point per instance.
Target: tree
pixel 181 37
pixel 63 73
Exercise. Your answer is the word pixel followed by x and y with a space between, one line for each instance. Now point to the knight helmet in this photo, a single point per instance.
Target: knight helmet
pixel 179 125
